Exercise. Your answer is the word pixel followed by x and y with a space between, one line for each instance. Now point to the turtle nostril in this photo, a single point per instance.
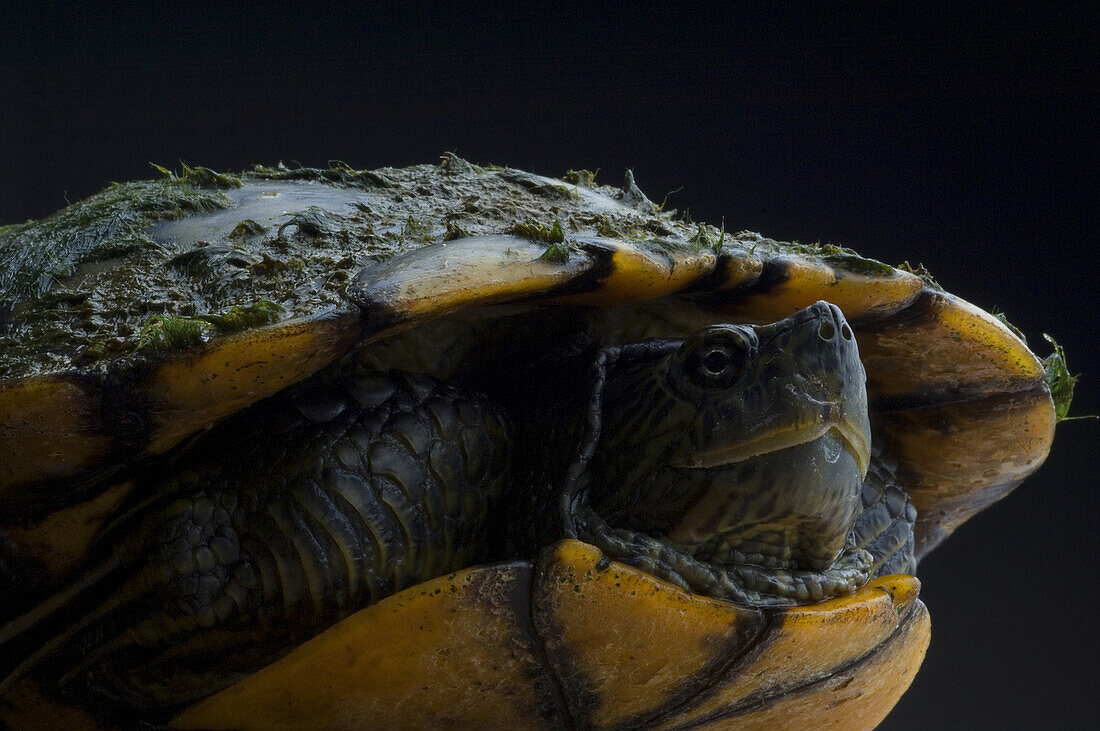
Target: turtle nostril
pixel 845 331
pixel 826 331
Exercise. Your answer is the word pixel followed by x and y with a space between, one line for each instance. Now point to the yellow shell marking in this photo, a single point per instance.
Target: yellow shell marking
pixel 606 644
pixel 806 280
pixel 33 413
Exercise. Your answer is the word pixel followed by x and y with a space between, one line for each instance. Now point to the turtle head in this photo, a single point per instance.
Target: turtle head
pixel 739 444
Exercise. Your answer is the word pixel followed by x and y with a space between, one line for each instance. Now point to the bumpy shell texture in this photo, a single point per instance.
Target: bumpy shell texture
pixel 137 318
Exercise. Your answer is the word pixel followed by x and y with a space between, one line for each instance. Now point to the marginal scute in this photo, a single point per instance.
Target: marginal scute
pixel 627 646
pixel 940 347
pixel 451 651
pixel 435 280
pixel 738 269
pixel 33 413
pixel 813 644
pixel 617 646
pixel 791 282
pixel 61 541
pixel 198 388
pixel 63 426
pixel 858 696
pixel 961 403
pixel 957 458
pixel 484 270
pixel 31 705
pixel 739 655
pixel 642 271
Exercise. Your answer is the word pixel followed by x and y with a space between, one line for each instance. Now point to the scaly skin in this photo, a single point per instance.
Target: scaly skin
pixel 347 489
pixel 745 423
pixel 777 524
pixel 278 524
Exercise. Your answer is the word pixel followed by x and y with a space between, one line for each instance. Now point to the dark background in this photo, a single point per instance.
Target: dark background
pixel 963 141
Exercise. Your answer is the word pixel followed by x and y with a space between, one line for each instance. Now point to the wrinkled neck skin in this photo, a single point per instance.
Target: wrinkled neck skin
pixel 731 462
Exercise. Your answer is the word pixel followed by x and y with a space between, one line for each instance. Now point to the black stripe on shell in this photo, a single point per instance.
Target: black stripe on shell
pixel 749 643
pixel 716 278
pixel 775 694
pixel 774 273
pixel 580 701
pixel 589 280
pixel 514 583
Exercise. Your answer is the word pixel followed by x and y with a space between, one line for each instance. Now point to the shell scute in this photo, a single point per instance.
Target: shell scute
pixel 578 639
pixel 959 403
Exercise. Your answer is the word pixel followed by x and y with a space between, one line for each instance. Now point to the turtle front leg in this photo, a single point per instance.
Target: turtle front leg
pixel 282 521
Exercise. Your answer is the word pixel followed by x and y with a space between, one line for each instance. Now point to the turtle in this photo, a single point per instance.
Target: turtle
pixel 464 445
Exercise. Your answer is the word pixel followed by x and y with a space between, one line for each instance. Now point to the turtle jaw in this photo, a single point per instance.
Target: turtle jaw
pixel 789 508
pixel 850 430
pixel 758 444
pixel 805 381
pixel 856 439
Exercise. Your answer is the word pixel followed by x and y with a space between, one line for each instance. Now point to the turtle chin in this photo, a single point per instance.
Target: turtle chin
pixel 790 508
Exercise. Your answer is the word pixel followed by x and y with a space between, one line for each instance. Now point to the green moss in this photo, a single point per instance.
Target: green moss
pixel 857 264
pixel 206 177
pixel 239 318
pixel 246 228
pixel 667 247
pixel 1004 321
pixel 556 235
pixel 452 164
pixel 110 224
pixel 455 231
pixel 199 176
pixel 627 229
pixel 921 272
pixel 415 228
pixel 1060 381
pixel 114 249
pixel 557 253
pixel 313 221
pixel 702 239
pixel 539 232
pixel 162 333
pixel 538 186
pixel 664 202
pixel 60 296
pixel 166 334
pixel 338 173
pixel 582 178
pixel 606 227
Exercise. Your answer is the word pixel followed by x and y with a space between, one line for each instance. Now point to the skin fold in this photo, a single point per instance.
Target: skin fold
pixel 747 484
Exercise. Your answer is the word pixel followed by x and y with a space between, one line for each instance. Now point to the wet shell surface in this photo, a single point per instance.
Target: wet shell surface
pixel 151 312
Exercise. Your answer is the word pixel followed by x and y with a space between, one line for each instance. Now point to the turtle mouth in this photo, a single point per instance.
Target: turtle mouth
pixel 849 430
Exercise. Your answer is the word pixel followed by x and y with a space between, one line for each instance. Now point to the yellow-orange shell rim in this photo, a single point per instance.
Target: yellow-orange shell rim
pixel 571 642
pixel 956 397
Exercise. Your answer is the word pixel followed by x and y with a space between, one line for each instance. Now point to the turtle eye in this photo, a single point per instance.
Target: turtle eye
pixel 717 358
